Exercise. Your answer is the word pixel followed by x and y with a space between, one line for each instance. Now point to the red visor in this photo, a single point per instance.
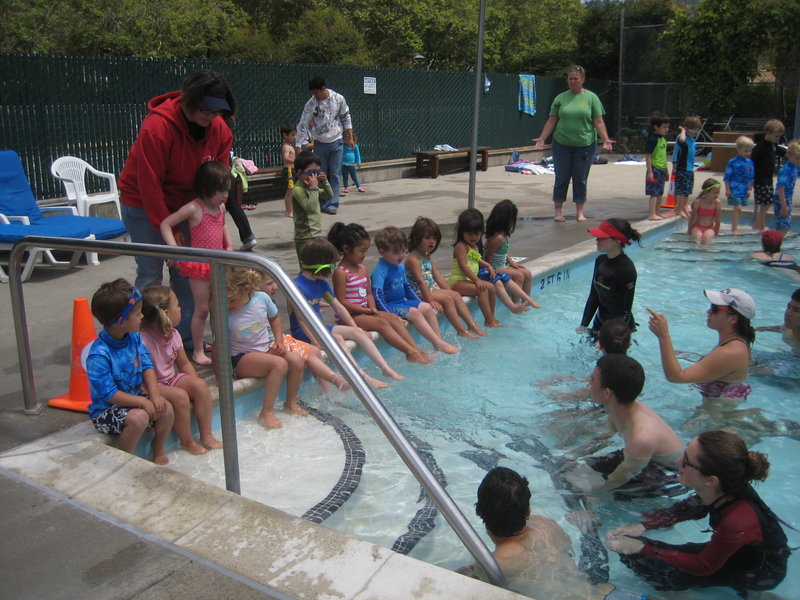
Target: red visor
pixel 607 230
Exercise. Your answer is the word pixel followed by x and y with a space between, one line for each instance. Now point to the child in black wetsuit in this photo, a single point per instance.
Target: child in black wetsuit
pixel 614 277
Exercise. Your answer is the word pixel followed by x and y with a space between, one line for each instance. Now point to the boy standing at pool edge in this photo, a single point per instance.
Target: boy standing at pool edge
pixel 784 189
pixel 763 157
pixel 683 164
pixel 657 171
pixel 739 176
pixel 122 382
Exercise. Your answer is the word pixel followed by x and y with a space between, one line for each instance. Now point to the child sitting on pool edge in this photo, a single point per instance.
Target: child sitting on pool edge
pixel 122 382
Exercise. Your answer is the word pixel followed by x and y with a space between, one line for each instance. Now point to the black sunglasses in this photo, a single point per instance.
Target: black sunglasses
pixel 687 463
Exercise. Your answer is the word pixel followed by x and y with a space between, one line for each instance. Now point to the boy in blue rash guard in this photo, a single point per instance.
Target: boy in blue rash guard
pixel 122 382
pixel 739 176
pixel 394 294
pixel 784 189
pixel 683 164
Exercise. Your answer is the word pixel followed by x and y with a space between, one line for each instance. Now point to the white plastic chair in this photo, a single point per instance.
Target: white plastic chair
pixel 71 171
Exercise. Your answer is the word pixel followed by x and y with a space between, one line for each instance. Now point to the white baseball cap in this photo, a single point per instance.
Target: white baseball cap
pixel 737 299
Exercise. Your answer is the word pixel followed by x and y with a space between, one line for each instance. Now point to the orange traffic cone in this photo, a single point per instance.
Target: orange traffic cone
pixel 83 333
pixel 670 202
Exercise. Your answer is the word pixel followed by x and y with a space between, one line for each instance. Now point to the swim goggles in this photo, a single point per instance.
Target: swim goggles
pixel 312 172
pixel 315 269
pixel 135 298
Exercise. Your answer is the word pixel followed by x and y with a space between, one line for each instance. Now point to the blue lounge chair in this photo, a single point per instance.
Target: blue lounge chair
pixel 18 205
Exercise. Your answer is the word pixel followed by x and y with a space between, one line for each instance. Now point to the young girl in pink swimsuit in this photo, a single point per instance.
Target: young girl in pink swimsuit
pixel 206 216
pixel 706 213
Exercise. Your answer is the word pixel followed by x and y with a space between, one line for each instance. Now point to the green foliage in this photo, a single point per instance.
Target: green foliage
pixel 716 49
pixel 324 36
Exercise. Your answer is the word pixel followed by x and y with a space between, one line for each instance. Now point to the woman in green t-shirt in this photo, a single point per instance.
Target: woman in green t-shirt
pixel 576 119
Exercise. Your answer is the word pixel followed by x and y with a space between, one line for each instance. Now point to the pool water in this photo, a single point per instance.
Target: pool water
pixel 497 403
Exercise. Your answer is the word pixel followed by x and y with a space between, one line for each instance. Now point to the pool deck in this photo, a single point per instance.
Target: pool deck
pixel 55 543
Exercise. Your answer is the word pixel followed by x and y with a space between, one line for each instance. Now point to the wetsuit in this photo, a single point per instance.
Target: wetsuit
pixel 747 551
pixel 611 295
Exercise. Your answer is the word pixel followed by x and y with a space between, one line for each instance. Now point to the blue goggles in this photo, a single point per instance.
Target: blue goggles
pixel 135 298
pixel 312 172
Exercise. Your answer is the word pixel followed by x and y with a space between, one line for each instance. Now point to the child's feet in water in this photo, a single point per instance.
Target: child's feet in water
pixel 194 448
pixel 393 374
pixel 160 458
pixel 293 408
pixel 493 323
pixel 200 358
pixel 449 348
pixel 376 383
pixel 210 442
pixel 519 308
pixel 477 330
pixel 420 357
pixel 533 304
pixel 466 333
pixel 340 383
pixel 269 420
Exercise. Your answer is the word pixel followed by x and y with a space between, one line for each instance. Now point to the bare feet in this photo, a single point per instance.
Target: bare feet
pixel 492 323
pixel 210 442
pixel 519 308
pixel 293 408
pixel 467 334
pixel 449 348
pixel 340 382
pixel 287 214
pixel 200 358
pixel 269 420
pixel 581 218
pixel 737 232
pixel 393 374
pixel 475 329
pixel 655 218
pixel 194 448
pixel 533 304
pixel 559 219
pixel 420 357
pixel 376 383
pixel 160 458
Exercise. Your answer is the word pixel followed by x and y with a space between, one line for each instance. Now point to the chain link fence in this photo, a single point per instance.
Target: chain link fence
pixel 92 107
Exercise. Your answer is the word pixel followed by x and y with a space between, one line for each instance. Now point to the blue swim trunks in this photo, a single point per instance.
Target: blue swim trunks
pixel 401 308
pixel 684 183
pixel 782 222
pixel 483 273
pixel 732 201
pixel 655 187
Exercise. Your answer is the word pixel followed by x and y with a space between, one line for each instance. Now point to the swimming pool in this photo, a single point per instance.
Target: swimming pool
pixel 486 406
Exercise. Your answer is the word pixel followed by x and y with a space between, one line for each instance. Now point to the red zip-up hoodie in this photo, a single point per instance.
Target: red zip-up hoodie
pixel 159 172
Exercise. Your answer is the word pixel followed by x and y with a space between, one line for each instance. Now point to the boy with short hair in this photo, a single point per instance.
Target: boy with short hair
pixel 394 294
pixel 784 189
pixel 311 187
pixel 122 382
pixel 739 175
pixel 657 170
pixel 289 134
pixel 764 154
pixel 683 164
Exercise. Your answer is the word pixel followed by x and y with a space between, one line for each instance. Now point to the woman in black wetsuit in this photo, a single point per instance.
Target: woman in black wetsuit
pixel 747 550
pixel 614 277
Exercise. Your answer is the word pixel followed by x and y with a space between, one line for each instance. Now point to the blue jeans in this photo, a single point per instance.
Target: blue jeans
pixel 351 171
pixel 571 164
pixel 150 271
pixel 330 155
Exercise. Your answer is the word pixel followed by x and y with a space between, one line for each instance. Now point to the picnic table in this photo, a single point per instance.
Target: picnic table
pixel 433 157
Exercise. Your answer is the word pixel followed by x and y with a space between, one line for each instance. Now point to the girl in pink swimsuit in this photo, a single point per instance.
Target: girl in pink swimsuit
pixel 706 213
pixel 206 216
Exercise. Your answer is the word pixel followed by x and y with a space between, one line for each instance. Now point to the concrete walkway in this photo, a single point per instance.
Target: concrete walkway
pixel 52 547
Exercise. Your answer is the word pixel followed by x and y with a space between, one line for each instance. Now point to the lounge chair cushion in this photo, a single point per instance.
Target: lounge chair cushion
pixel 12 233
pixel 103 228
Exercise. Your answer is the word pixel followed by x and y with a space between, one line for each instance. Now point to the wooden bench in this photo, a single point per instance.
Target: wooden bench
pixel 433 157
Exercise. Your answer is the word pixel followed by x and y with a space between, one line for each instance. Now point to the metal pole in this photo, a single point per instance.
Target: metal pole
pixel 21 331
pixel 620 84
pixel 227 408
pixel 476 104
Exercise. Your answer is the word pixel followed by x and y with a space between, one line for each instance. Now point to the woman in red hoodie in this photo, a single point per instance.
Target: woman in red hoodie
pixel 183 130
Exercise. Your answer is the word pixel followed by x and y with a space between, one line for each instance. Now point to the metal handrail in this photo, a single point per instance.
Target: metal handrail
pixel 218 260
